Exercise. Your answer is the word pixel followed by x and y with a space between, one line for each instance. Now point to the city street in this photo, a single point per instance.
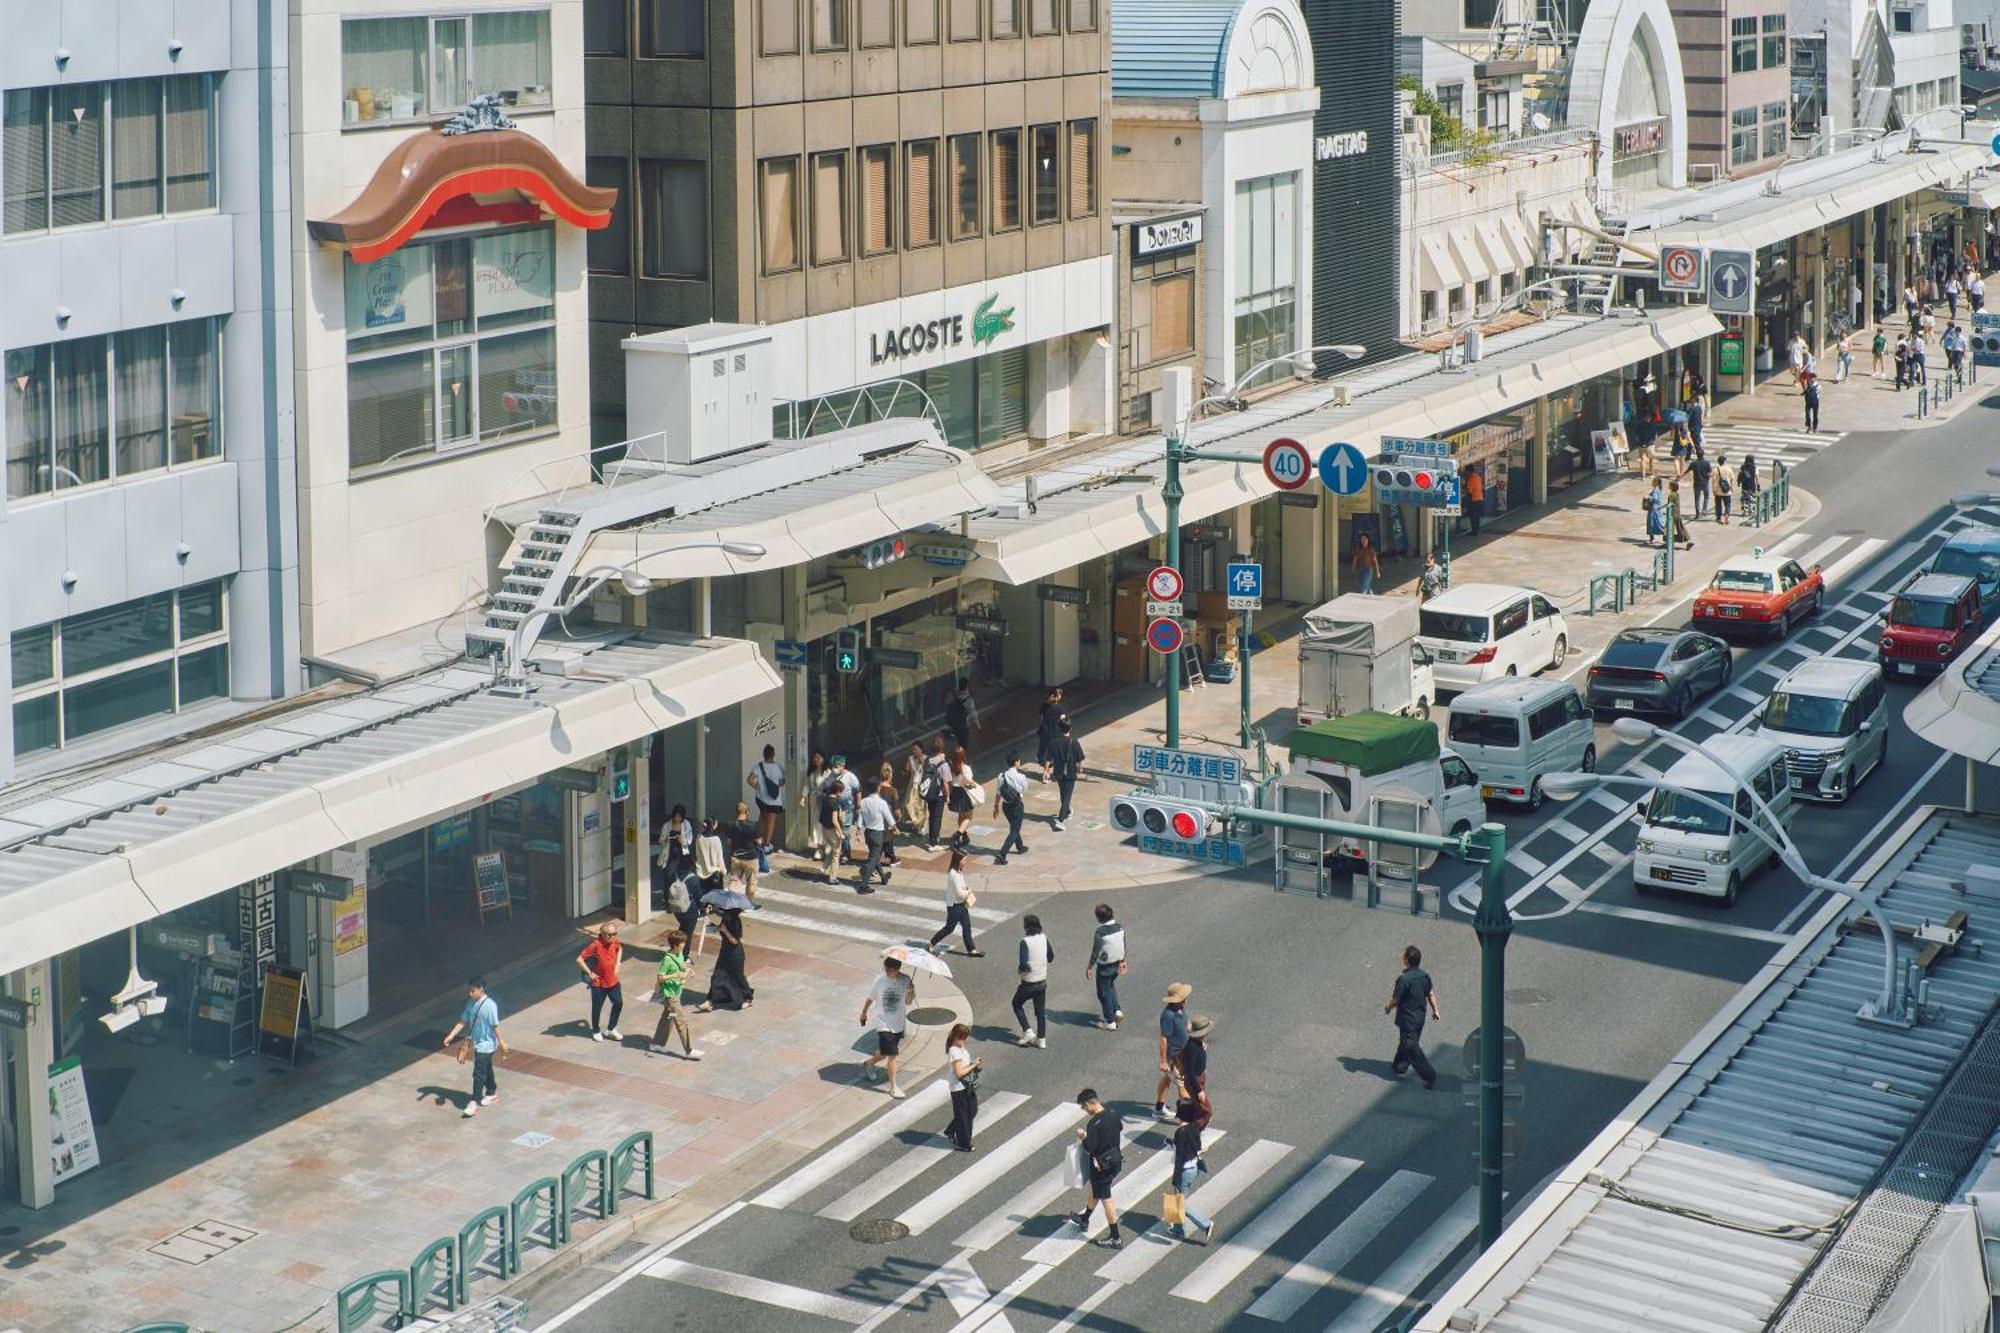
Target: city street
pixel 1339 1193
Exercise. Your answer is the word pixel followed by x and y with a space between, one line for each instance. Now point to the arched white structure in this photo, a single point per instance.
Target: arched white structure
pixel 1627 61
pixel 1269 50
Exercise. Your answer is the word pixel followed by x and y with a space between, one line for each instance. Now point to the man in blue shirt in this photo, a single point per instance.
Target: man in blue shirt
pixel 480 1021
pixel 1173 1037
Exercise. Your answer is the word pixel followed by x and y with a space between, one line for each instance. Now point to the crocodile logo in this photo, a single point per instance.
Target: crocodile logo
pixel 988 323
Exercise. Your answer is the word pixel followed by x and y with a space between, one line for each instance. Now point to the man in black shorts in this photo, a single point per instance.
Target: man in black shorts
pixel 1103 1158
pixel 890 999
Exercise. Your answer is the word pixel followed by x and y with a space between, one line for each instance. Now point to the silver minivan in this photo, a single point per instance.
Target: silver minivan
pixel 1514 730
pixel 1832 717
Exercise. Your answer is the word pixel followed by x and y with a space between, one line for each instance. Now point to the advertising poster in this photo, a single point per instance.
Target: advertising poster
pixel 72 1136
pixel 350 922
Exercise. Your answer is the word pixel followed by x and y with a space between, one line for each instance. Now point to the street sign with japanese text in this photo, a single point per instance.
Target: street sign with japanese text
pixel 1246 586
pixel 1158 761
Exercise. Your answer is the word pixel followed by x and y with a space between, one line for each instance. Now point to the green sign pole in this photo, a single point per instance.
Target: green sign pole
pixel 1243 675
pixel 1170 491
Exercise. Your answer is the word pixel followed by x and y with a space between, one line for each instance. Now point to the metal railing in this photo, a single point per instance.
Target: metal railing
pixel 1771 500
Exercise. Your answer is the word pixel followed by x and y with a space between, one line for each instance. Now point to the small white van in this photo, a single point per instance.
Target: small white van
pixel 1695 847
pixel 1513 731
pixel 1832 717
pixel 1479 631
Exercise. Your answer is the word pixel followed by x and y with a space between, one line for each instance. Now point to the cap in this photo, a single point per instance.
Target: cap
pixel 1178 992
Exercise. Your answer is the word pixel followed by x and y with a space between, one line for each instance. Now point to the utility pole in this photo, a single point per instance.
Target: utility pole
pixel 1172 493
pixel 1243 676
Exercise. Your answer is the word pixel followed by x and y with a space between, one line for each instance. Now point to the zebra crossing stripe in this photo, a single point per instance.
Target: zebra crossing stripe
pixel 1338 1248
pixel 990 914
pixel 914 1162
pixel 822 926
pixel 837 1158
pixel 845 1309
pixel 1133 1186
pixel 1819 552
pixel 1154 1242
pixel 853 909
pixel 934 1207
pixel 1869 546
pixel 1386 1294
pixel 1030 1203
pixel 1234 1255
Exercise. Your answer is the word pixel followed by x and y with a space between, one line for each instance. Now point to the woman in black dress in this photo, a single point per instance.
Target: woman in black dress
pixel 728 987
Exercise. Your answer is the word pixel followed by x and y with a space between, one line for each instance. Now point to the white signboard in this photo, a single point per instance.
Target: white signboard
pixel 1152 238
pixel 72 1136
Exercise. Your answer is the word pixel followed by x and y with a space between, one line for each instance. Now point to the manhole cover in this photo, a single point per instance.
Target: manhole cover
pixel 202 1241
pixel 933 1016
pixel 877 1230
pixel 1528 995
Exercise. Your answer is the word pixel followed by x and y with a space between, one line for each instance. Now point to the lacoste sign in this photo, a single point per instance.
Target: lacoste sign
pixel 946 331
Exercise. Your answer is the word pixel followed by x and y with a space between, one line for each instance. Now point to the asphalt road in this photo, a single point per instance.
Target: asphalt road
pixel 1341 1194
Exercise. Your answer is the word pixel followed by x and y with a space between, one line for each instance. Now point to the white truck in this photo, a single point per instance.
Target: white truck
pixel 1359 652
pixel 1339 768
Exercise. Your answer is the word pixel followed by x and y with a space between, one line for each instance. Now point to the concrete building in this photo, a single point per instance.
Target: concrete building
pixel 1737 59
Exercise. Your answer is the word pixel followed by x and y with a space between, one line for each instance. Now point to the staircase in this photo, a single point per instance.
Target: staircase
pixel 545 554
pixel 1598 291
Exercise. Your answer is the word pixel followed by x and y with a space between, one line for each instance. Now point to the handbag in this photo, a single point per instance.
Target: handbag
pixel 464 1051
pixel 1073 1167
pixel 1172 1211
pixel 970 1079
pixel 976 794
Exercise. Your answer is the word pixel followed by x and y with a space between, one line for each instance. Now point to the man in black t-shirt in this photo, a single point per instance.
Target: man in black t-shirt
pixel 1103 1158
pixel 1408 1001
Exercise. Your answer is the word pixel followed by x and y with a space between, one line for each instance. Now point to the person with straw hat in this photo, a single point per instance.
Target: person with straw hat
pixel 1173 1039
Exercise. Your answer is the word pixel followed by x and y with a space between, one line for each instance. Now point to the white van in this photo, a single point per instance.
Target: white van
pixel 1696 848
pixel 1478 631
pixel 1513 731
pixel 1832 717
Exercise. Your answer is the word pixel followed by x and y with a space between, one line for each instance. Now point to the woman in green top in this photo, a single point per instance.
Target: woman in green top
pixel 673 975
pixel 1875 350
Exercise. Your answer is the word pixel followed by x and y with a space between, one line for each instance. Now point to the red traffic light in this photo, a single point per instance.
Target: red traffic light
pixel 1186 827
pixel 1423 480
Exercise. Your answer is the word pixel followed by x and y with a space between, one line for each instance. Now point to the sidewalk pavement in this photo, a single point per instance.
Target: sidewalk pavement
pixel 1596 527
pixel 1863 402
pixel 358 1159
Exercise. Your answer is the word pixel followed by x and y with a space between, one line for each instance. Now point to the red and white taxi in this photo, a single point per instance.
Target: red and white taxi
pixel 1765 594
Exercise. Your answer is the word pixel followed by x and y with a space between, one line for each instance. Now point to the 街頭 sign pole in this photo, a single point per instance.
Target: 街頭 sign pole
pixel 1172 493
pixel 1243 676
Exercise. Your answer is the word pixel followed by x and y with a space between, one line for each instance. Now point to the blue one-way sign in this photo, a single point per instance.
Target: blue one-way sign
pixel 1732 282
pixel 1342 469
pixel 790 652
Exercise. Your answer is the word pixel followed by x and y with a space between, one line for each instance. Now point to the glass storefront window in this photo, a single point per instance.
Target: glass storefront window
pixel 1265 261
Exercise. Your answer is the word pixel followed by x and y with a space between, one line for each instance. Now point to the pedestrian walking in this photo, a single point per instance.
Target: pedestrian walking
pixel 728 983
pixel 1106 965
pixel 1910 303
pixel 1475 497
pixel 934 788
pixel 1408 999
pixel 1697 411
pixel 480 1022
pixel 889 999
pixel 1699 473
pixel 1192 1071
pixel 1951 291
pixel 599 960
pixel 1103 1140
pixel 1188 1167
pixel 966 796
pixel 1812 403
pixel 878 821
pixel 1010 800
pixel 682 904
pixel 1173 1036
pixel 961 714
pixel 1678 517
pixel 1067 761
pixel 850 802
pixel 913 782
pixel 1045 731
pixel 1875 351
pixel 1721 484
pixel 1431 581
pixel 766 781
pixel 674 968
pixel 1367 564
pixel 1032 967
pixel 817 773
pixel 1796 352
pixel 1902 362
pixel 711 862
pixel 1978 293
pixel 1843 357
pixel 1747 484
pixel 958 901
pixel 1655 504
pixel 746 853
pixel 1920 359
pixel 832 832
pixel 962 1079
pixel 1953 343
pixel 675 857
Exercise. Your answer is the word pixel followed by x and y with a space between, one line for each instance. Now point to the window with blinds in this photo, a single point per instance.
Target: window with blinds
pixel 1006 18
pixel 1082 168
pixel 829 207
pixel 673 218
pixel 24 159
pixel 878 199
pixel 155 134
pixel 1006 179
pixel 778 21
pixel 964 20
pixel 920 22
pixel 778 213
pixel 1042 17
pixel 135 148
pixel 76 155
pixel 829 25
pixel 188 143
pixel 1173 315
pixel 878 23
pixel 1046 166
pixel 920 207
pixel 964 186
pixel 1083 15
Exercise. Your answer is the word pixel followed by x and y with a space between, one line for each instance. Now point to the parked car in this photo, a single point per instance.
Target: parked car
pixel 1478 631
pixel 1931 621
pixel 1765 594
pixel 1832 717
pixel 1658 670
pixel 1708 846
pixel 1974 553
pixel 1513 731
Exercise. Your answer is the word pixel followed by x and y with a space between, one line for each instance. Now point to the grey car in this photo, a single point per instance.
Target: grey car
pixel 1655 670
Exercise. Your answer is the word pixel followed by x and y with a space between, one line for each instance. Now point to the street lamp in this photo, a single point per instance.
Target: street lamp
pixel 1178 452
pixel 1889 1005
pixel 514 669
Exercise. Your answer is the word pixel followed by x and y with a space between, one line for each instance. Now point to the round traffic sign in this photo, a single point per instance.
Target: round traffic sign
pixel 1682 264
pixel 1342 469
pixel 1164 584
pixel 1164 635
pixel 1287 464
pixel 1996 145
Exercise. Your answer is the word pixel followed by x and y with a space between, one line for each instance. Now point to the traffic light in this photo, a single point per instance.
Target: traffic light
pixel 1161 817
pixel 885 552
pixel 847 651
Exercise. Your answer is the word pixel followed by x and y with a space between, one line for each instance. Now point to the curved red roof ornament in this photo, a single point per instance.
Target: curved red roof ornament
pixel 469 157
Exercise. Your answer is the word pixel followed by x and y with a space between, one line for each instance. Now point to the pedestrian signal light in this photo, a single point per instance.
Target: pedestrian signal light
pixel 847 651
pixel 1142 812
pixel 885 552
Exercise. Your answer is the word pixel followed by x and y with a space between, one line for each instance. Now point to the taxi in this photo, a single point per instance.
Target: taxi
pixel 1757 593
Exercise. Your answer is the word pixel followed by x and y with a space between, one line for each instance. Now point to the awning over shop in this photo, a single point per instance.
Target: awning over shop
pixel 1980 191
pixel 1440 273
pixel 1097 506
pixel 1525 244
pixel 1466 251
pixel 121 848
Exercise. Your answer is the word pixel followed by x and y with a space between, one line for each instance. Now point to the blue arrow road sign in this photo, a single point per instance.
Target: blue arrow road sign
pixel 1342 469
pixel 1731 282
pixel 1246 580
pixel 791 653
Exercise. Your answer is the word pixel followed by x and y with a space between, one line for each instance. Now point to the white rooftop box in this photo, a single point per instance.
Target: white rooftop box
pixel 698 393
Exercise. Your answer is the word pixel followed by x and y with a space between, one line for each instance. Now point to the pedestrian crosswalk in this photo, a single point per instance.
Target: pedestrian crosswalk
pixel 882 918
pixel 1768 444
pixel 1302 1240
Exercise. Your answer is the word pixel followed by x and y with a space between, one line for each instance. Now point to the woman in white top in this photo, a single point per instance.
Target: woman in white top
pixel 965 796
pixel 913 781
pixel 958 900
pixel 711 867
pixel 962 1077
pixel 816 776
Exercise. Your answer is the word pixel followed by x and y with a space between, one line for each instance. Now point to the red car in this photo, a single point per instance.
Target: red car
pixel 1929 623
pixel 1767 594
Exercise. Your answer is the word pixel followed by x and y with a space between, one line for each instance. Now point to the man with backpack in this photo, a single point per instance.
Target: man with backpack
pixel 1010 799
pixel 933 787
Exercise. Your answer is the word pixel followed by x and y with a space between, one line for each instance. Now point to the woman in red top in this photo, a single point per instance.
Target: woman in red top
pixel 599 961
